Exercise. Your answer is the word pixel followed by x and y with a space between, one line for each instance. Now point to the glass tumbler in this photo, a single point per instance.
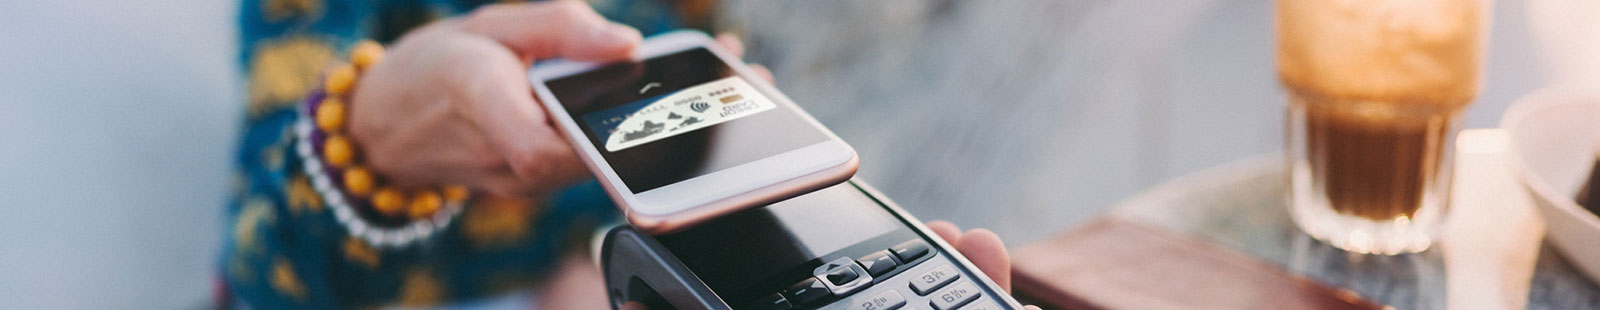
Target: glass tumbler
pixel 1376 92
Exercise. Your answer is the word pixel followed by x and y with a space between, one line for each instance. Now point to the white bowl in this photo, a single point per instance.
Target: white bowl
pixel 1555 134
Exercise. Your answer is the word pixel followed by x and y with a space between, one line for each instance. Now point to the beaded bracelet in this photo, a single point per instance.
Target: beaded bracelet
pixel 382 216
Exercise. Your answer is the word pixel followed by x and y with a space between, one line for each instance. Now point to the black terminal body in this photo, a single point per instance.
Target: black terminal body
pixel 843 247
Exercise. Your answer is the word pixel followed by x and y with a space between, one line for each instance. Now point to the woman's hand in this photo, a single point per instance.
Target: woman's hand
pixel 451 104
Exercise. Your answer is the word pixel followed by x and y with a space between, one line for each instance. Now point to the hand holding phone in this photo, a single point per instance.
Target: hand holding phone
pixel 419 123
pixel 683 132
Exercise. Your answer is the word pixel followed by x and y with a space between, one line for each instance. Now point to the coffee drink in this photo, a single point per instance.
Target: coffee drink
pixel 1376 91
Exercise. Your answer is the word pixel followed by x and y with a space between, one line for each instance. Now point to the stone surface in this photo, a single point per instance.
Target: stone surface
pixel 1241 206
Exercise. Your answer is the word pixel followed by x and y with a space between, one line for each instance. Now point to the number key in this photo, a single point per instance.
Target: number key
pixel 934 279
pixel 955 296
pixel 887 300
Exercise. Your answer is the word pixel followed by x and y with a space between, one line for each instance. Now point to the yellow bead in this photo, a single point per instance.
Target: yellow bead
pixel 330 115
pixel 456 193
pixel 424 204
pixel 366 54
pixel 389 201
pixel 358 181
pixel 340 80
pixel 338 151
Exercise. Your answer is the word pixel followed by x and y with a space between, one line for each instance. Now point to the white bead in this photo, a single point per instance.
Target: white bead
pixel 320 182
pixel 358 228
pixel 421 229
pixel 336 200
pixel 390 239
pixel 347 217
pixel 407 235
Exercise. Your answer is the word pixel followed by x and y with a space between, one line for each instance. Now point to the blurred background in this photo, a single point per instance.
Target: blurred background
pixel 118 118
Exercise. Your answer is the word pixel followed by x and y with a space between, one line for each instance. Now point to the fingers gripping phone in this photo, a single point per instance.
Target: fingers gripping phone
pixel 684 132
pixel 842 247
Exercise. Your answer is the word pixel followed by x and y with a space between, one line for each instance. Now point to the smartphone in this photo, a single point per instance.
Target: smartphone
pixel 684 132
pixel 842 247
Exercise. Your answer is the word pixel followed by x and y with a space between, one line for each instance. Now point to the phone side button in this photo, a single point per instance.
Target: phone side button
pixel 955 296
pixel 772 302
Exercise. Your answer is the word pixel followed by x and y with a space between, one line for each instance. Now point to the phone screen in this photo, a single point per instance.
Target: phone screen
pixel 676 117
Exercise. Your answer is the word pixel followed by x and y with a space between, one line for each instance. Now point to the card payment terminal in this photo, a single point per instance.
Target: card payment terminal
pixel 842 247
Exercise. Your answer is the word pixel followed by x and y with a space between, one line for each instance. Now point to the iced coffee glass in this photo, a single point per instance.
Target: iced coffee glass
pixel 1376 92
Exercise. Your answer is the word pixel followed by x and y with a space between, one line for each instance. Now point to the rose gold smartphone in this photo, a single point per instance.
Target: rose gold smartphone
pixel 683 132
